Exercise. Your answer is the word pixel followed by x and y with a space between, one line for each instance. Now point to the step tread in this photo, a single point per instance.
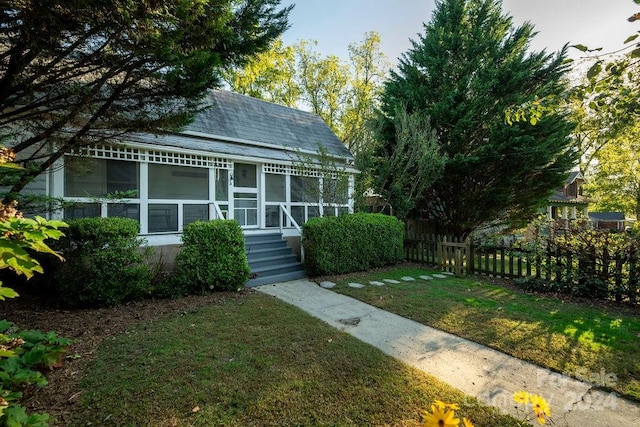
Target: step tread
pixel 284 277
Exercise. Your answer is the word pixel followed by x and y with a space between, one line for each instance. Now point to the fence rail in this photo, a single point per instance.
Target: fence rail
pixel 604 275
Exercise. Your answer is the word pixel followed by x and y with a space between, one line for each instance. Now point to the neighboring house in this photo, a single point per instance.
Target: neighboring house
pixel 568 203
pixel 242 159
pixel 608 220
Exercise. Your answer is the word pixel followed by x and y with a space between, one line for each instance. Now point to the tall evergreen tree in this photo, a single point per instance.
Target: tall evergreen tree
pixel 463 72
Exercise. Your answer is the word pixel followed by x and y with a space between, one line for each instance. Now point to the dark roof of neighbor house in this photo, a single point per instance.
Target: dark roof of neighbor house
pixel 240 125
pixel 606 216
pixel 573 176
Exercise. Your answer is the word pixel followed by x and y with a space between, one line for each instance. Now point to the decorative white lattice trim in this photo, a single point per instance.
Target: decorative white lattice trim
pixel 152 156
pixel 295 170
pixel 106 152
pixel 170 158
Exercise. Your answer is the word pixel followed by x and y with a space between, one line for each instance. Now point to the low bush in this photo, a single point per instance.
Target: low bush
pixel 349 243
pixel 212 259
pixel 104 263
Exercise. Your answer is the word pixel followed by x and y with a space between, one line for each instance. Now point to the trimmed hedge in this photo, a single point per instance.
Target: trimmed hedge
pixel 104 263
pixel 212 258
pixel 350 243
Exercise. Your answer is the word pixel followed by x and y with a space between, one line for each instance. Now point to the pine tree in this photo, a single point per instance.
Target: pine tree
pixel 463 72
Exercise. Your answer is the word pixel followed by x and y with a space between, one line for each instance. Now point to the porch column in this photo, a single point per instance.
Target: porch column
pixel 350 192
pixel 549 212
pixel 573 212
pixel 55 185
pixel 565 212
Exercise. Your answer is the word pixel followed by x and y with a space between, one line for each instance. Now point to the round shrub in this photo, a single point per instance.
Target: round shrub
pixel 212 257
pixel 104 263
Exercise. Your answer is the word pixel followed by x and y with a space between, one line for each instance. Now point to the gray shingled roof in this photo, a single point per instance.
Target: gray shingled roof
pixel 239 117
pixel 607 216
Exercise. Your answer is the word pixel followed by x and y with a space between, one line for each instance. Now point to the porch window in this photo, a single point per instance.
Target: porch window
pixel 178 182
pixel 275 188
pixel 305 189
pixel 192 213
pixel 163 217
pixel 86 177
pixel 82 210
pixel 124 210
pixel 222 185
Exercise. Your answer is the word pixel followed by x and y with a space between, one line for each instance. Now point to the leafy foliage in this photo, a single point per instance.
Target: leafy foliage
pixel 23 354
pixel 105 264
pixel 349 243
pixel 614 180
pixel 343 94
pixel 595 264
pixel 104 68
pixel 405 170
pixel 463 72
pixel 212 258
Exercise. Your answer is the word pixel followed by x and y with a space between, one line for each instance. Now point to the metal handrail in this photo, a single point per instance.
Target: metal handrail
pixel 219 214
pixel 284 210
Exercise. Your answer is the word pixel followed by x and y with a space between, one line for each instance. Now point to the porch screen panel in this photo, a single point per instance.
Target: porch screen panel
pixel 178 182
pixel 275 188
pixel 305 189
pixel 124 210
pixel 82 210
pixel 163 217
pixel 192 213
pixel 86 177
pixel 222 185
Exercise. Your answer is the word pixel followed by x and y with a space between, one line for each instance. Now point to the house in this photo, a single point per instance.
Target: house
pixel 568 203
pixel 607 220
pixel 242 158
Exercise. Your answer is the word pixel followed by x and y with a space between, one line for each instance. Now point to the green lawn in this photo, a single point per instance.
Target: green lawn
pixel 253 360
pixel 588 341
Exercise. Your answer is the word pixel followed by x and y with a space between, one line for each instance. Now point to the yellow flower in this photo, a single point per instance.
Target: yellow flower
pixel 540 418
pixel 439 417
pixel 521 397
pixel 540 406
pixel 467 423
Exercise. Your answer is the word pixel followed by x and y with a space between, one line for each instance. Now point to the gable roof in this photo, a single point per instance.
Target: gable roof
pixel 235 117
pixel 573 176
pixel 242 126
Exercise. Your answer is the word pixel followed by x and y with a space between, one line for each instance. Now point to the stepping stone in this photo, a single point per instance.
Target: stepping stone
pixel 447 273
pixel 440 276
pixel 408 279
pixel 356 285
pixel 327 285
pixel 393 282
pixel 376 283
pixel 426 277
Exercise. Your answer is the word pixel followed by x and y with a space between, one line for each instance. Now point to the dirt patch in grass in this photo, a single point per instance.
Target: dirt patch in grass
pixel 87 328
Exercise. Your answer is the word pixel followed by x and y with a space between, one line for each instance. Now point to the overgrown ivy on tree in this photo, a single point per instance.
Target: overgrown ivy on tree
pixel 77 73
pixel 470 64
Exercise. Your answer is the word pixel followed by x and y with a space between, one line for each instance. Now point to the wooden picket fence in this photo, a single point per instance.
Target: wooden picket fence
pixel 616 276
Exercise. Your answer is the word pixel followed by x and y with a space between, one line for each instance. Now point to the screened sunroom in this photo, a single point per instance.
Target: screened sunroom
pixel 227 164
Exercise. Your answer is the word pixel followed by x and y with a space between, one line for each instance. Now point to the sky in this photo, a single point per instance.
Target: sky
pixel 335 24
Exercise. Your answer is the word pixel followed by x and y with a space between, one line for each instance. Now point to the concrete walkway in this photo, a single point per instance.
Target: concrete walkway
pixel 490 376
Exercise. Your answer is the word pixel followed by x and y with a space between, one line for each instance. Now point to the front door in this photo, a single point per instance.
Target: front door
pixel 245 194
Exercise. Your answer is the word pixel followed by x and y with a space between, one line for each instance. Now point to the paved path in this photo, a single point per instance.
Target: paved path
pixel 486 374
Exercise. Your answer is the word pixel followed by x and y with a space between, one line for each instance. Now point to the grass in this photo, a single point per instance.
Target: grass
pixel 588 341
pixel 253 360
